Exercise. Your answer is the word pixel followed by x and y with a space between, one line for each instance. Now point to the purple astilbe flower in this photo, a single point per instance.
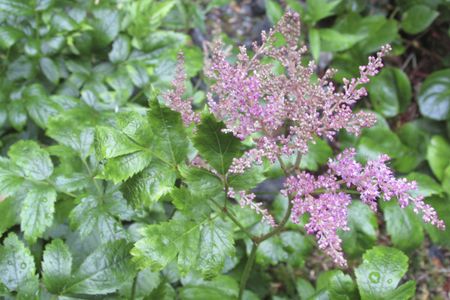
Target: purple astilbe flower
pixel 174 98
pixel 247 199
pixel 281 113
pixel 323 199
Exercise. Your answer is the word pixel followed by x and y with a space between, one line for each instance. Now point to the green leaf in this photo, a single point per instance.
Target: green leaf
pixel 314 43
pixel 426 185
pixel 271 252
pixel 37 211
pixel 34 161
pixel 418 18
pixel 274 11
pixel 201 246
pixel 56 266
pixel 304 289
pixel 16 7
pixel 136 127
pixel 383 33
pixel 103 271
pixel 113 143
pixel 403 226
pixel 434 96
pixel 390 92
pixel 247 180
pixel 16 263
pixel 438 155
pixel 334 41
pixel 363 225
pixel 318 153
pixel 216 147
pixel 8 213
pixel 120 49
pixel 106 26
pixel 21 68
pixel 123 167
pixel 146 282
pixel 50 69
pixel 170 140
pixel 148 186
pixel 380 273
pixel 10 181
pixel 337 284
pixel 91 216
pixel 201 182
pixel 442 207
pixel 39 105
pixel 317 10
pixel 138 74
pixel 9 36
pixel 220 288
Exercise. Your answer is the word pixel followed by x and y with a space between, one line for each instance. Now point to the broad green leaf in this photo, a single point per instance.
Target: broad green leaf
pixel 37 211
pixel 39 105
pixel 271 252
pixel 314 43
pixel 442 207
pixel 390 92
pixel 382 34
pixel 434 96
pixel 318 153
pixel 138 74
pixel 112 143
pixel 445 180
pixel 247 180
pixel 33 160
pixel 201 181
pixel 170 140
pixel 380 273
pixel 106 26
pixel 337 284
pixel 317 10
pixel 50 69
pixel 304 289
pixel 17 115
pixel 334 41
pixel 147 282
pixel 21 68
pixel 136 127
pixel 438 155
pixel 56 266
pixel 90 216
pixel 10 181
pixel 216 147
pixel 123 167
pixel 104 271
pixel 220 288
pixel 201 246
pixel 8 213
pixel 403 226
pixel 16 7
pixel 274 11
pixel 16 263
pixel 146 187
pixel 418 18
pixel 426 185
pixel 9 36
pixel 120 49
pixel 363 225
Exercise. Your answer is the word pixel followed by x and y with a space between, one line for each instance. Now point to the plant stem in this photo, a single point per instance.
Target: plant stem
pixel 133 287
pixel 280 226
pixel 233 219
pixel 247 269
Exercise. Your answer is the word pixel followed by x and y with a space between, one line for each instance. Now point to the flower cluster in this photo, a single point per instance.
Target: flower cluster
pixel 282 111
pixel 325 200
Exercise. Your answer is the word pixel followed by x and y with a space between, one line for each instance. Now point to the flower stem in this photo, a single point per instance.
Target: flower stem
pixel 133 288
pixel 247 269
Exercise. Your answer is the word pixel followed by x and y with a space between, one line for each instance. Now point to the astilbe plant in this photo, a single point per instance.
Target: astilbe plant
pixel 281 112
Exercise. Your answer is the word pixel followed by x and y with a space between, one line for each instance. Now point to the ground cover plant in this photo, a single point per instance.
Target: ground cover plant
pixel 146 156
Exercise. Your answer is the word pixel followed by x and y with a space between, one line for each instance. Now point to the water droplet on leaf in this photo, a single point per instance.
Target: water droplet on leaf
pixel 389 281
pixel 10 262
pixel 374 277
pixel 23 265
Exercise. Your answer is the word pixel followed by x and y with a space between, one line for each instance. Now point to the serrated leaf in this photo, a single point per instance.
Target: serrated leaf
pixel 120 49
pixel 146 187
pixel 9 214
pixel 106 26
pixel 201 182
pixel 37 211
pixel 136 127
pixel 56 266
pixel 247 180
pixel 138 75
pixel 216 147
pixel 34 161
pixel 403 226
pixel 201 246
pixel 91 216
pixel 16 7
pixel 171 143
pixel 337 284
pixel 380 273
pixel 10 181
pixel 72 182
pixel 363 229
pixel 39 105
pixel 50 69
pixel 123 167
pixel 8 36
pixel 220 288
pixel 103 271
pixel 113 143
pixel 16 263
